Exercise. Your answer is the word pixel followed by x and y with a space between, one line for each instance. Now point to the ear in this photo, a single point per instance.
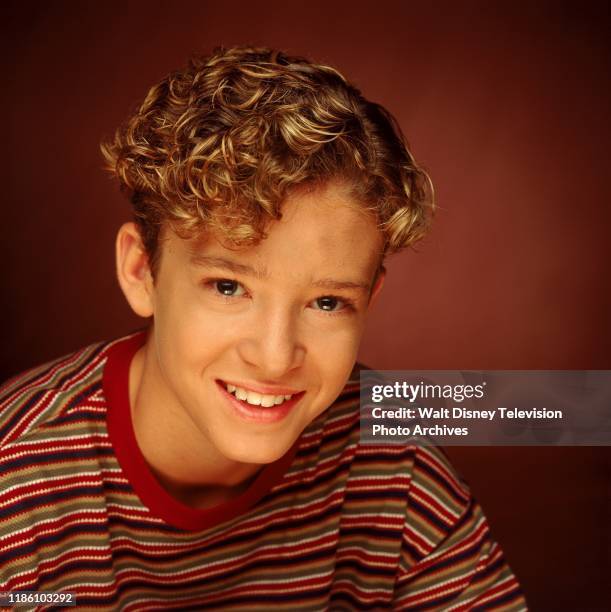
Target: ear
pixel 378 283
pixel 133 270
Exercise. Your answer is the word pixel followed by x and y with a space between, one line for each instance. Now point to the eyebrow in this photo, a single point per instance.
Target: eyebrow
pixel 208 261
pixel 336 285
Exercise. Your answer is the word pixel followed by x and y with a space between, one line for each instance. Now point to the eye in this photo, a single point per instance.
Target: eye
pixel 228 288
pixel 330 303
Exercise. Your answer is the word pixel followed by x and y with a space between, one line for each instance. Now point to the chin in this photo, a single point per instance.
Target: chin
pixel 260 452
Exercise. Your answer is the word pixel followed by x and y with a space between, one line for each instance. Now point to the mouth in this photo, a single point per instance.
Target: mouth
pixel 257 399
pixel 256 406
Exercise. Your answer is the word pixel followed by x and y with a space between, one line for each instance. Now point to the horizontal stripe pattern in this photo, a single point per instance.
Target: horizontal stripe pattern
pixel 348 526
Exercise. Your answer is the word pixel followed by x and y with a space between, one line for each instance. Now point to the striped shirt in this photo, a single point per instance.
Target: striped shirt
pixel 332 525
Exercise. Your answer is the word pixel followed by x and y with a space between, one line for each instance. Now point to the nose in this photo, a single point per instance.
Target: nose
pixel 272 346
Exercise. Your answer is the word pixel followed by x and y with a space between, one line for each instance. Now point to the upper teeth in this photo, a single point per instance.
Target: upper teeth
pixel 257 399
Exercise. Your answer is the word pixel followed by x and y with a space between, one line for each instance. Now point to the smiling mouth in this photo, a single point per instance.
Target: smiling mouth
pixel 253 398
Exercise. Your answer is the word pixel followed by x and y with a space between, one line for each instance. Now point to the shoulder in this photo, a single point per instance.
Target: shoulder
pixel 415 484
pixel 449 557
pixel 55 459
pixel 438 502
pixel 44 394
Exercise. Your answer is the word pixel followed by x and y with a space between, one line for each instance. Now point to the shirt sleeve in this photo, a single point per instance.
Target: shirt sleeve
pixel 449 561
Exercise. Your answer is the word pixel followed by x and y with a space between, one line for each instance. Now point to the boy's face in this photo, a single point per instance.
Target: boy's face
pixel 281 318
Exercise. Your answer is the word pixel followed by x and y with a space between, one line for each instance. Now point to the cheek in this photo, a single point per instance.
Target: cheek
pixel 335 353
pixel 179 313
pixel 188 338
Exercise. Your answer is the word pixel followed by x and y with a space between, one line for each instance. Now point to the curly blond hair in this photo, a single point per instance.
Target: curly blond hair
pixel 219 145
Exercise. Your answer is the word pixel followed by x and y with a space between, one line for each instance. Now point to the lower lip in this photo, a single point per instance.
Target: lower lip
pixel 258 414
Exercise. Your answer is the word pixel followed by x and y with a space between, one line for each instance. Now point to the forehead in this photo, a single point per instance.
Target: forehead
pixel 329 221
pixel 322 231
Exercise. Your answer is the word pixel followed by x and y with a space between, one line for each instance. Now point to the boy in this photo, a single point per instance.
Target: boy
pixel 213 461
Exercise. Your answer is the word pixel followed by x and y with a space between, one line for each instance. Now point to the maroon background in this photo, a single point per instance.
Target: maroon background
pixel 506 106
